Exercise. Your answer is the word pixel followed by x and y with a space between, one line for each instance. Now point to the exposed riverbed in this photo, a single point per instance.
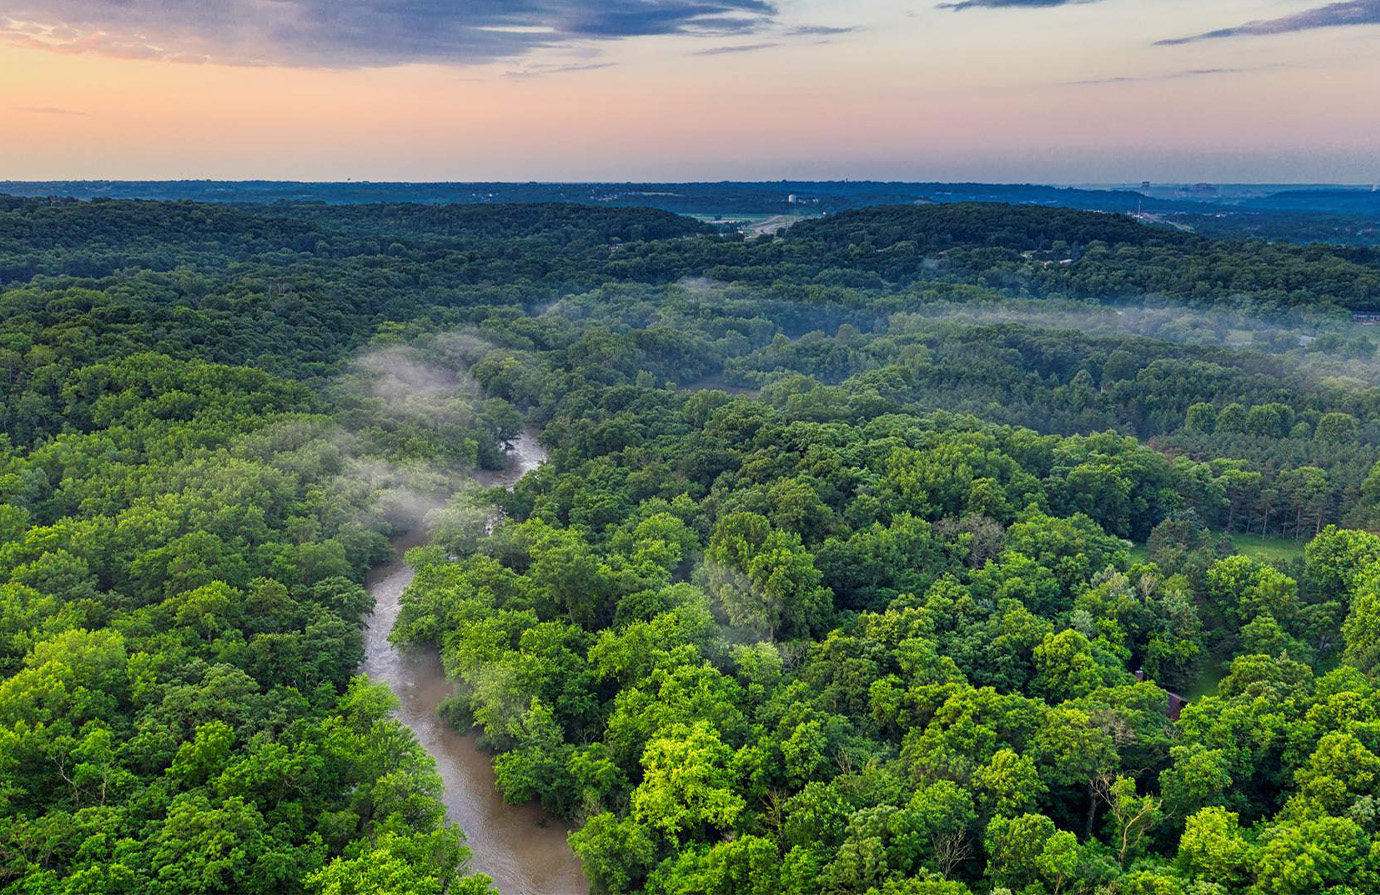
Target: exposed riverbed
pixel 522 848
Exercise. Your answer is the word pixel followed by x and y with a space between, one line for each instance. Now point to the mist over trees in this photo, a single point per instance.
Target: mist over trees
pixel 880 555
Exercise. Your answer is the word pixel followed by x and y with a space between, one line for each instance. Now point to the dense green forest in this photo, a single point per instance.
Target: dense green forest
pixel 867 557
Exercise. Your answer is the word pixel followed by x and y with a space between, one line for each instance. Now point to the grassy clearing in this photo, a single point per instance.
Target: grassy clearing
pixel 739 218
pixel 1268 549
pixel 1206 685
pixel 754 224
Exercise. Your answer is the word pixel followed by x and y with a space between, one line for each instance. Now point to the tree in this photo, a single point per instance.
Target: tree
pixel 1008 785
pixel 1311 855
pixel 687 785
pixel 1362 628
pixel 536 767
pixel 204 757
pixel 400 863
pixel 1130 817
pixel 1336 427
pixel 764 578
pixel 1065 667
pixel 1201 417
pixel 1030 849
pixel 1337 560
pixel 1231 418
pixel 1198 777
pixel 502 419
pixel 1214 849
pixel 1242 588
pixel 1307 488
pixel 1239 484
pixel 1121 364
pixel 564 567
pixel 616 853
pixel 748 865
pixel 1072 750
pixel 204 846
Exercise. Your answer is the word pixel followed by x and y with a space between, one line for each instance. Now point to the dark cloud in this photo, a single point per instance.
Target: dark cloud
pixel 1016 4
pixel 359 33
pixel 1166 76
pixel 734 48
pixel 1334 15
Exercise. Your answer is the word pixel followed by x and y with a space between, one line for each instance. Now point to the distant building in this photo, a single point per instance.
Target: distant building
pixel 1365 318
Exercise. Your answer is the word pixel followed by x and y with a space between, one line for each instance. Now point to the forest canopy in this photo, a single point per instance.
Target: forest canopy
pixel 945 549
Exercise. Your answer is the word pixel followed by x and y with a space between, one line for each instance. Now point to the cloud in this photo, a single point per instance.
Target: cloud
pixel 1334 15
pixel 537 71
pixel 819 31
pixel 48 110
pixel 1166 76
pixel 739 48
pixel 1010 4
pixel 359 33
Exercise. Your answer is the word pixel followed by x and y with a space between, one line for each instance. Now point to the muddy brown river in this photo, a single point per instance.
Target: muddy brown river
pixel 521 848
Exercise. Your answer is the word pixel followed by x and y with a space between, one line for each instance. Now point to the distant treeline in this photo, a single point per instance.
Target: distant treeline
pixel 1019 250
pixel 1303 215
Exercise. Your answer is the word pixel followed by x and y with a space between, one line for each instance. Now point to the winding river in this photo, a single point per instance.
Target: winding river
pixel 521 848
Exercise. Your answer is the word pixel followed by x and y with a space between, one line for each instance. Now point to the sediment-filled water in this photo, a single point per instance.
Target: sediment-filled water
pixel 523 849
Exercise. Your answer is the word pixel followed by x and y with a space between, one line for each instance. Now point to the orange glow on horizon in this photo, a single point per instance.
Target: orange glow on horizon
pixel 884 103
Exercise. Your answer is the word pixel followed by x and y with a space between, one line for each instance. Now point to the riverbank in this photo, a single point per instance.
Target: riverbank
pixel 520 847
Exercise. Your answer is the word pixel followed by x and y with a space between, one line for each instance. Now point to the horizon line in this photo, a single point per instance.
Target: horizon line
pixel 845 180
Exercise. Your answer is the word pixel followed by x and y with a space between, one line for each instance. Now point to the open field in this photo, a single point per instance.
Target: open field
pixel 753 224
pixel 1267 549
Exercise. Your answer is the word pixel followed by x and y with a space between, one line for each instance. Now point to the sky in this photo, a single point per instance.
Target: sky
pixel 1051 91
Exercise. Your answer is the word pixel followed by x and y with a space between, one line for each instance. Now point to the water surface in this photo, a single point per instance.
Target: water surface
pixel 522 848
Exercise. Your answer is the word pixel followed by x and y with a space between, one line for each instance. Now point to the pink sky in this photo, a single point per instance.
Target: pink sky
pixel 1074 92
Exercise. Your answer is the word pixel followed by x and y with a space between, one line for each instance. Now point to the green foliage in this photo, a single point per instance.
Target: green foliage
pixel 868 624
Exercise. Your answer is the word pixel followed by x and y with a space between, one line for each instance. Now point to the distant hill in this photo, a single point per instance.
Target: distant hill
pixel 976 225
pixel 1336 201
pixel 763 197
pixel 1311 214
